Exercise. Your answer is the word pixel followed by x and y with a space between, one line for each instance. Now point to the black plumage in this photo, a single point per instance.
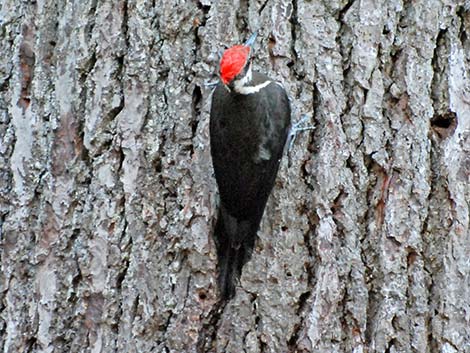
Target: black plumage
pixel 247 133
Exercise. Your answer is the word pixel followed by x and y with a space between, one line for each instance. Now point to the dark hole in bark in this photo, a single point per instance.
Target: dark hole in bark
pixel 202 295
pixel 445 124
pixel 441 121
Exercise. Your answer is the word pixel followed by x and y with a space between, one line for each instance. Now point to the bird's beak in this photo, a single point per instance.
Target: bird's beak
pixel 250 41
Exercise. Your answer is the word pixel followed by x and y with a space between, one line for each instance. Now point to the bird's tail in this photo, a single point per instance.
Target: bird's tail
pixel 234 240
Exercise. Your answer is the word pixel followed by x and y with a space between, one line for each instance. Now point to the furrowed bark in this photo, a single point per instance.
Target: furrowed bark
pixel 108 201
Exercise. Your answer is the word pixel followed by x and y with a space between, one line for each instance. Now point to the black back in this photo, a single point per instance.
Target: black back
pixel 248 134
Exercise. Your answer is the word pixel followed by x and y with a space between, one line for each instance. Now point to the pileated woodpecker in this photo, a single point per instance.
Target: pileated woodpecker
pixel 249 125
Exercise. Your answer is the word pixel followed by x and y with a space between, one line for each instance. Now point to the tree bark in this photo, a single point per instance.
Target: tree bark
pixel 107 195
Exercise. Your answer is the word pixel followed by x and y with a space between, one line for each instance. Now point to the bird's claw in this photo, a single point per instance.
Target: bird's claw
pixel 211 84
pixel 296 128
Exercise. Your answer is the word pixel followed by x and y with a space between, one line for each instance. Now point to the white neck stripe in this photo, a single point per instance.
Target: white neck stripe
pixel 251 89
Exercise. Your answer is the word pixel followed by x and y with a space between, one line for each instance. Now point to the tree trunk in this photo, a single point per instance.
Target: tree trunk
pixel 108 200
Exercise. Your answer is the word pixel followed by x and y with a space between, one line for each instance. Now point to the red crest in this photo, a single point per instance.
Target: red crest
pixel 233 61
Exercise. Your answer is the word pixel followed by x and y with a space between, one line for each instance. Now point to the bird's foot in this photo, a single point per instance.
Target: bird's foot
pixel 211 84
pixel 300 126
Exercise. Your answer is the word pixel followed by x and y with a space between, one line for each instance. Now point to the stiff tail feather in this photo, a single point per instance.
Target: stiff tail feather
pixel 234 240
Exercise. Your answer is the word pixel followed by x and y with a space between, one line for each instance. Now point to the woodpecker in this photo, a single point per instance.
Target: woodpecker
pixel 249 125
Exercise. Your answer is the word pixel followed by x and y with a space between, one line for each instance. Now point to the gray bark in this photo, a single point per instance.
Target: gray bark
pixel 107 195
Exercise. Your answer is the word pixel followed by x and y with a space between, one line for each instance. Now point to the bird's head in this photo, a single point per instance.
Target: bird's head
pixel 235 63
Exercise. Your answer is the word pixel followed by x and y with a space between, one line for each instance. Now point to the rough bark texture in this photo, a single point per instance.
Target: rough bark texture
pixel 107 199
